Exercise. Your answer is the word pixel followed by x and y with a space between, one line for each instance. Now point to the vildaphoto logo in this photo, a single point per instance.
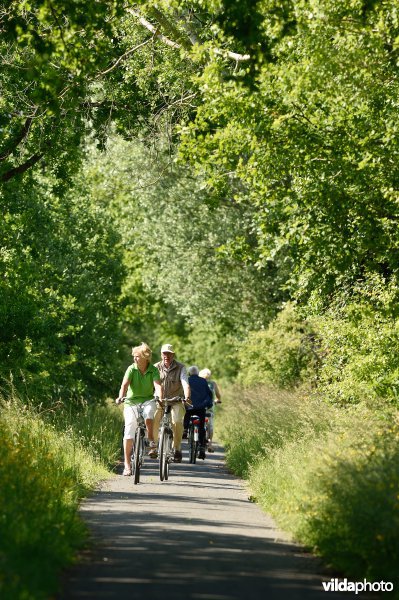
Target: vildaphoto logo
pixel 343 585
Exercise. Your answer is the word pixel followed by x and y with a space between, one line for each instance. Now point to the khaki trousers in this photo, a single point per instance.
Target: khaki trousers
pixel 177 413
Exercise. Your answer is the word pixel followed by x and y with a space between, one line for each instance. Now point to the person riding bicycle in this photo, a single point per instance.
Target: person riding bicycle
pixel 174 382
pixel 138 385
pixel 217 399
pixel 201 400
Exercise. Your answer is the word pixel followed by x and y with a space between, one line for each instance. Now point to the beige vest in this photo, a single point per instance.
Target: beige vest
pixel 170 379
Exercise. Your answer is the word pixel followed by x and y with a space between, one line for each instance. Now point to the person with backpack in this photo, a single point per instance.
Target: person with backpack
pixel 201 400
pixel 217 399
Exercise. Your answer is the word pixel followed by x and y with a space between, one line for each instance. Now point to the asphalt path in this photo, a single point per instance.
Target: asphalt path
pixel 196 536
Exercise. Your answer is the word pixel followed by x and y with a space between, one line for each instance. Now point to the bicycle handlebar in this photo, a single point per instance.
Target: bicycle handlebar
pixel 167 401
pixel 121 400
pixel 174 400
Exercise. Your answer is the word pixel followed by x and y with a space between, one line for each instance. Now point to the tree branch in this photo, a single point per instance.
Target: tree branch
pixel 183 42
pixel 153 29
pixel 22 134
pixel 170 28
pixel 128 53
pixel 21 168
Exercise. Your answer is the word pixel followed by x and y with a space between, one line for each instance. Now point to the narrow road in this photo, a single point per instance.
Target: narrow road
pixel 196 536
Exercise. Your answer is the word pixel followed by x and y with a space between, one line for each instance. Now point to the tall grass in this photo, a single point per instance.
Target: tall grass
pixel 44 472
pixel 253 422
pixel 98 428
pixel 329 476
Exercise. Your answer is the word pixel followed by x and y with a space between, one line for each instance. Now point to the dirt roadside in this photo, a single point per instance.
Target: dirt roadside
pixel 196 536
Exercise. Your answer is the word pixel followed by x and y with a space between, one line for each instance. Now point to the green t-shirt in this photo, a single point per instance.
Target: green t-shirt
pixel 141 387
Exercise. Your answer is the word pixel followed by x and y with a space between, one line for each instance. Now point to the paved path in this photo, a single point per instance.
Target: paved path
pixel 196 536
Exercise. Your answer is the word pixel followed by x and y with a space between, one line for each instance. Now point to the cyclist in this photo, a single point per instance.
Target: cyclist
pixel 217 399
pixel 201 399
pixel 174 382
pixel 138 385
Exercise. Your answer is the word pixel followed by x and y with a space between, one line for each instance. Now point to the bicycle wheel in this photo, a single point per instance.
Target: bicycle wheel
pixel 162 453
pixel 167 454
pixel 192 445
pixel 136 463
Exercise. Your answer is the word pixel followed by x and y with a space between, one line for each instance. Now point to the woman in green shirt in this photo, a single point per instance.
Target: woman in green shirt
pixel 139 383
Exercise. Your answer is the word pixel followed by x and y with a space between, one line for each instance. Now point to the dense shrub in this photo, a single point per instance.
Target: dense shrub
pixel 284 354
pixel 360 345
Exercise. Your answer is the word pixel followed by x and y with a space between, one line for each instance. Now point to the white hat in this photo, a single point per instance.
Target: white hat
pixel 167 348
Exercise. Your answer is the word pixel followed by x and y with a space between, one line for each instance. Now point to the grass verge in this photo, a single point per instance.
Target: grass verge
pixel 44 472
pixel 329 476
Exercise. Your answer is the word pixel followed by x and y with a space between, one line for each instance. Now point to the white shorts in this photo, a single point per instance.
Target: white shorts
pixel 130 416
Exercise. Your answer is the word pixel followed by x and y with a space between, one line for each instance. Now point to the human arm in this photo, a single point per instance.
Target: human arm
pixel 185 384
pixel 158 389
pixel 218 395
pixel 123 390
pixel 209 399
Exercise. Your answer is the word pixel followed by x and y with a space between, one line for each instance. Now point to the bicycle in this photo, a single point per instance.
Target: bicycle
pixel 165 449
pixel 193 437
pixel 138 451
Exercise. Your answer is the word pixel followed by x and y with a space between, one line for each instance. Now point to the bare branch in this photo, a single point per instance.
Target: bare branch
pixel 186 43
pixel 128 53
pixel 233 55
pixel 153 29
pixel 170 28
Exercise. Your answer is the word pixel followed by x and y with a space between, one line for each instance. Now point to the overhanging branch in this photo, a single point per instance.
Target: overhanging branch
pixel 153 29
pixel 183 42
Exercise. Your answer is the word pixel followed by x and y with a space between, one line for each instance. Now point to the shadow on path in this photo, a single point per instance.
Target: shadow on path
pixel 195 537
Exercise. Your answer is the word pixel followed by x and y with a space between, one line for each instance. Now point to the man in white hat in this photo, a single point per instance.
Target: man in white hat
pixel 174 382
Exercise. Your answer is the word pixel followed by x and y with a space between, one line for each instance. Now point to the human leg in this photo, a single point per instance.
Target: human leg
pixel 201 432
pixel 127 450
pixel 130 416
pixel 210 416
pixel 177 414
pixel 149 409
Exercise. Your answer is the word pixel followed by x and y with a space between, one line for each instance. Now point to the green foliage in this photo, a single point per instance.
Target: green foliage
pixel 61 272
pixel 43 474
pixel 360 345
pixel 72 67
pixel 338 493
pixel 336 511
pixel 181 271
pixel 327 475
pixel 208 347
pixel 95 428
pixel 284 354
pixel 312 147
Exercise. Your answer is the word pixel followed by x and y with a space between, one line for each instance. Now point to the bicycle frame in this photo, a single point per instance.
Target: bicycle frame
pixel 138 453
pixel 193 436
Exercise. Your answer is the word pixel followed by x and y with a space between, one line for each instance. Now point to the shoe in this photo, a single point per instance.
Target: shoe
pixel 177 456
pixel 201 453
pixel 210 448
pixel 153 452
pixel 127 472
